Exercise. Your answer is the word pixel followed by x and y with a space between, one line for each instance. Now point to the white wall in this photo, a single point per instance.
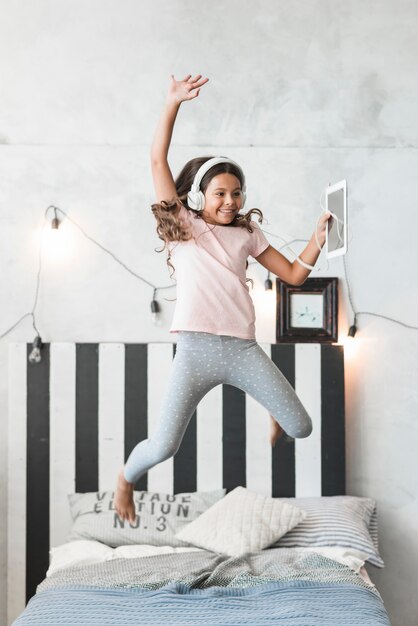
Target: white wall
pixel 301 94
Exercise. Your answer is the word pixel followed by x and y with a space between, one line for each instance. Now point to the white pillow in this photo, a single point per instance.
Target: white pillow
pixel 241 522
pixel 80 552
pixel 346 556
pixel 86 552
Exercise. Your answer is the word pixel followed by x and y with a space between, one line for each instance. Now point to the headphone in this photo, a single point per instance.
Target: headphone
pixel 195 198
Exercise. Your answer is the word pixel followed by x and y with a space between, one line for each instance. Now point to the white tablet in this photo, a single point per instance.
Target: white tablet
pixel 336 234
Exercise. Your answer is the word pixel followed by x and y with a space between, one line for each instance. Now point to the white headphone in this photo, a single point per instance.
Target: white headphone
pixel 195 198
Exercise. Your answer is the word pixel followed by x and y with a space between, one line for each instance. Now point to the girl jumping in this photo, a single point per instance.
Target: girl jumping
pixel 208 237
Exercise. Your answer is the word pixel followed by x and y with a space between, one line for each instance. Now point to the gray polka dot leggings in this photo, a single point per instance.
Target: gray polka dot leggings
pixel 203 361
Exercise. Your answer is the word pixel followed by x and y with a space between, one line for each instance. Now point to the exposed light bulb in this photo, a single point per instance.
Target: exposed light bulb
pixel 267 283
pixel 155 309
pixel 352 331
pixel 353 328
pixel 57 241
pixel 35 355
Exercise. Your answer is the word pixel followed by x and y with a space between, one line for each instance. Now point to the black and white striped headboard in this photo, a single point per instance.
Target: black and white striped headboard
pixel 75 417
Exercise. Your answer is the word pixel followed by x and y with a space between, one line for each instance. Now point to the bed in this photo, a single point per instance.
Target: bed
pixel 71 560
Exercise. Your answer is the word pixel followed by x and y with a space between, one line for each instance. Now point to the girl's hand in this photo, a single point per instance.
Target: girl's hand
pixel 181 90
pixel 322 225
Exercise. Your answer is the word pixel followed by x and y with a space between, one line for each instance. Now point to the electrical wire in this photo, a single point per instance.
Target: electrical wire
pixel 32 313
pixel 128 269
pixel 156 288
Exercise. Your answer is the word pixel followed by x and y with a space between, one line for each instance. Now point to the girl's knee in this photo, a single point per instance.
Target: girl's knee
pixel 304 430
pixel 164 452
pixel 300 428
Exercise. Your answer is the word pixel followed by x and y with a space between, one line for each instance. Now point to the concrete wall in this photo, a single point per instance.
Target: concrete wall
pixel 301 94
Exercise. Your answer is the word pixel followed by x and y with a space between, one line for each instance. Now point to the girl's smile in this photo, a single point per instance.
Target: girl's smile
pixel 223 199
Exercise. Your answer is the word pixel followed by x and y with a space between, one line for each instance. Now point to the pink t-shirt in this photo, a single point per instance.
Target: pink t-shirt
pixel 212 295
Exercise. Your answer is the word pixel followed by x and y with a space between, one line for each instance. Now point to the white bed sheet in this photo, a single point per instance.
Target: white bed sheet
pixel 87 552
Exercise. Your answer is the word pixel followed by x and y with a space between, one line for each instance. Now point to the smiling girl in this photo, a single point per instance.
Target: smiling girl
pixel 208 238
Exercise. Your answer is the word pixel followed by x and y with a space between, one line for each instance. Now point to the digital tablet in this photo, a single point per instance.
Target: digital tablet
pixel 336 234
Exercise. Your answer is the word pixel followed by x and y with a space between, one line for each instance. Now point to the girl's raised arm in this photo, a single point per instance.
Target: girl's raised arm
pixel 179 91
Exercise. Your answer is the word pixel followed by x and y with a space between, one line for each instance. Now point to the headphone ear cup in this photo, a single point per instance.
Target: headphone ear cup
pixel 201 201
pixel 193 199
pixel 196 200
pixel 244 198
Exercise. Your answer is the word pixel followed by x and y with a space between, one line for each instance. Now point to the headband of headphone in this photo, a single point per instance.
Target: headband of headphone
pixel 195 198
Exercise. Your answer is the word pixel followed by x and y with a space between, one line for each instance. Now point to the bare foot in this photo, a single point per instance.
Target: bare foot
pixel 124 500
pixel 276 431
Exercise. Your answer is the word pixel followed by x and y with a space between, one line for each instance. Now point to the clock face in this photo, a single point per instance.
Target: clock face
pixel 306 310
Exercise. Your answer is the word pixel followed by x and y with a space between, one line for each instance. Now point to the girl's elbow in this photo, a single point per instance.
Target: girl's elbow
pixel 294 282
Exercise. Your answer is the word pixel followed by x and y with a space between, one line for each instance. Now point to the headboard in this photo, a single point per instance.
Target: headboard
pixel 75 417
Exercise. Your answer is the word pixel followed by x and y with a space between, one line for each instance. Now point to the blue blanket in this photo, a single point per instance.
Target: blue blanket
pixel 293 603
pixel 281 586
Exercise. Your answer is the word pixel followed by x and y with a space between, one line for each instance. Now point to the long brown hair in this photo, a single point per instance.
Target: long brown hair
pixel 170 228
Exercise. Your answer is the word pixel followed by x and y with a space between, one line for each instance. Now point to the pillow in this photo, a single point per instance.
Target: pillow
pixel 346 556
pixel 80 552
pixel 243 521
pixel 159 516
pixel 347 521
pixel 86 552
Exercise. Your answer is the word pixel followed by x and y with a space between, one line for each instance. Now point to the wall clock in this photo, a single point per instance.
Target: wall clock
pixel 308 312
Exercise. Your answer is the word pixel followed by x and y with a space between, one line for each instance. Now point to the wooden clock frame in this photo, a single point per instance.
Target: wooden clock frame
pixel 325 333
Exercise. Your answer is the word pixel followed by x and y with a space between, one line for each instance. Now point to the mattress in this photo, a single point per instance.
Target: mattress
pixel 283 586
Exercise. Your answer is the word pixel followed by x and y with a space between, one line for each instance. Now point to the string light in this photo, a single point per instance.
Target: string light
pixel 155 309
pixel 267 283
pixel 55 222
pixel 35 355
pixel 353 328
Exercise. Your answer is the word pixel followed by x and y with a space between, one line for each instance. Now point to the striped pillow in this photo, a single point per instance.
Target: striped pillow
pixel 347 521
